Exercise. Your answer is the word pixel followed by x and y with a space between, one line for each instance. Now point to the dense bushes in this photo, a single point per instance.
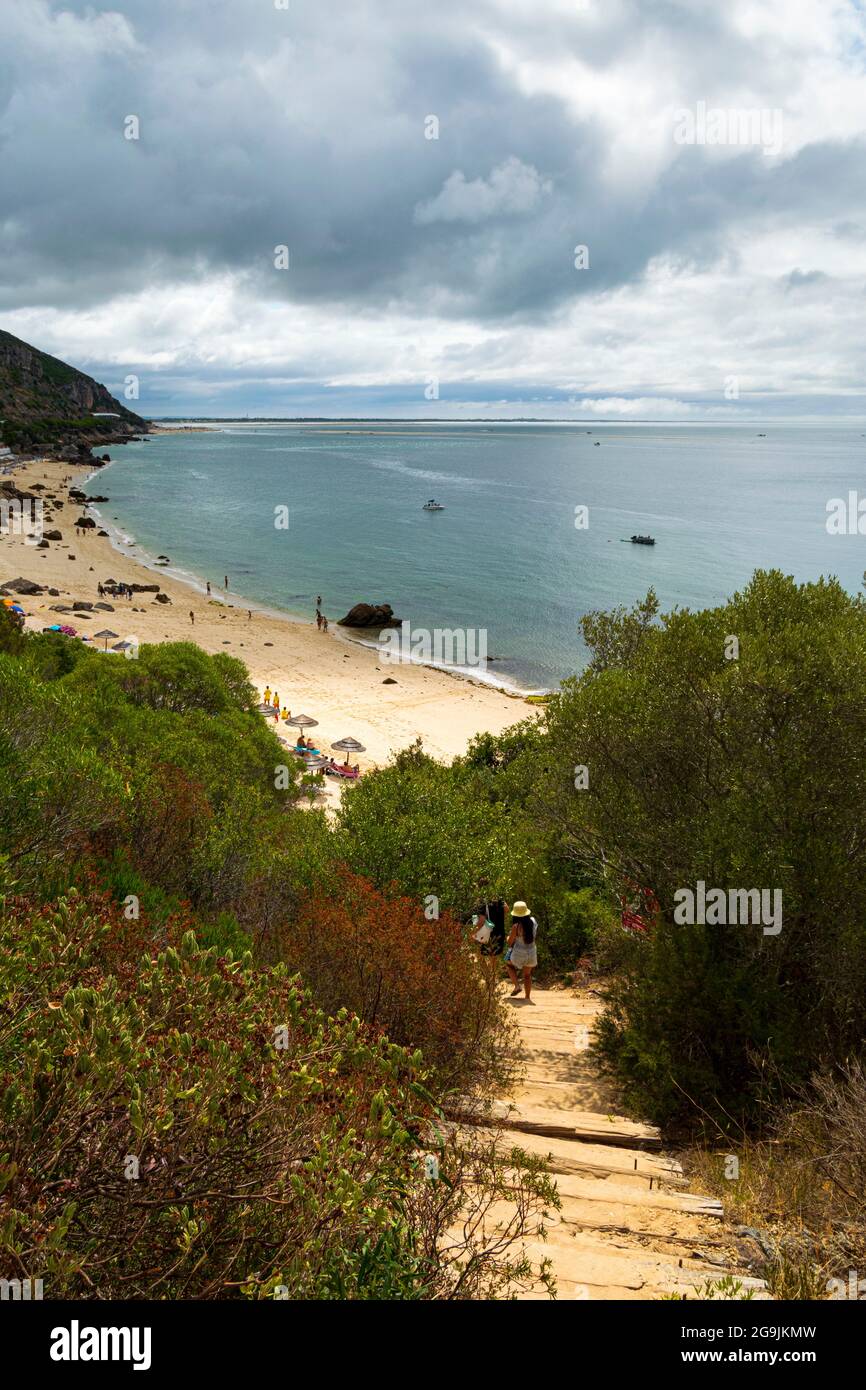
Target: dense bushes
pixel 410 977
pixel 740 771
pixel 159 761
pixel 178 1125
pixel 428 830
pixel 181 1118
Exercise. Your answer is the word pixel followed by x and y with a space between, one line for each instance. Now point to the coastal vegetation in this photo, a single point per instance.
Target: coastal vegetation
pixel 277 1015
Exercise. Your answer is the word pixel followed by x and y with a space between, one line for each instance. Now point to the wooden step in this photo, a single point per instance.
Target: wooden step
pixel 583 1126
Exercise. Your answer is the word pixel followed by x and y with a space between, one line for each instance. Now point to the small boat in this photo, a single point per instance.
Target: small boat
pixel 643 540
pixel 433 506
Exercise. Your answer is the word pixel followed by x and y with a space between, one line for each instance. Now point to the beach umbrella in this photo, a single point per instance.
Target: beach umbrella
pixel 265 709
pixel 316 763
pixel 303 721
pixel 349 745
pixel 121 646
pixel 106 633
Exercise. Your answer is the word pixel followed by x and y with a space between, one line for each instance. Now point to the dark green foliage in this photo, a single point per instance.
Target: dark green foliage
pixel 741 773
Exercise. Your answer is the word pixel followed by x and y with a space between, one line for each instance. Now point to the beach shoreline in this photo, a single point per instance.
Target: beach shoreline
pixel 339 681
pixel 127 545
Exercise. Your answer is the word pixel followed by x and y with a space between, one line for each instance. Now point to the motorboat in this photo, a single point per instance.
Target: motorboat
pixel 433 506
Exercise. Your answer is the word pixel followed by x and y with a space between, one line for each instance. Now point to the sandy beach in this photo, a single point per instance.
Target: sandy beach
pixel 324 675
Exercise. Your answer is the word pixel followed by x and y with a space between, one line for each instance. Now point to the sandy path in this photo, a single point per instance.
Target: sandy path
pixel 628 1228
pixel 334 680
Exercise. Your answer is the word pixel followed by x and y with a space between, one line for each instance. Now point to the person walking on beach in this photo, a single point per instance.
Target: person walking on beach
pixel 192 617
pixel 318 620
pixel 208 588
pixel 267 695
pixel 522 955
pixel 226 580
pixel 324 623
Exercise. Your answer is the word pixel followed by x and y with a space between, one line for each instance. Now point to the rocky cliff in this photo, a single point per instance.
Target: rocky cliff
pixel 48 407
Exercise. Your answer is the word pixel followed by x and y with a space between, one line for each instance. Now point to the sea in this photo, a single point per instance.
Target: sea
pixel 534 530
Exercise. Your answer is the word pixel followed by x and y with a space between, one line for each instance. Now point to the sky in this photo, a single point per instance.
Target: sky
pixel 612 209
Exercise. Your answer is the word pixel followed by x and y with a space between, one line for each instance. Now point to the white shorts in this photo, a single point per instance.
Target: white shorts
pixel 523 955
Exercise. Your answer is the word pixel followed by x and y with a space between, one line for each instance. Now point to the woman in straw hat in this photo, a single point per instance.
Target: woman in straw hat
pixel 522 955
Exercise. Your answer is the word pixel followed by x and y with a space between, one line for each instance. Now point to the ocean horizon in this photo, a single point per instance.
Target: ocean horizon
pixel 534 532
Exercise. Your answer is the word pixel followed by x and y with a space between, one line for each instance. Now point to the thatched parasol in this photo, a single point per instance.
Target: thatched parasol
pixel 349 745
pixel 303 721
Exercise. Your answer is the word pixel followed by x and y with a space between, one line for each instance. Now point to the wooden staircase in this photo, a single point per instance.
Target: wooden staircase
pixel 628 1228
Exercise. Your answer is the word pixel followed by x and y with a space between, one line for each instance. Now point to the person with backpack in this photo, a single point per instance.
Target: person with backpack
pixel 522 956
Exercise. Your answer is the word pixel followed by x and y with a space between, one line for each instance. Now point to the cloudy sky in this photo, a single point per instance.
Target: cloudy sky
pixel 557 208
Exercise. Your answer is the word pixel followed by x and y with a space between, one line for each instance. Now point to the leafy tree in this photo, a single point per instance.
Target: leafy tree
pixel 742 765
pixel 430 830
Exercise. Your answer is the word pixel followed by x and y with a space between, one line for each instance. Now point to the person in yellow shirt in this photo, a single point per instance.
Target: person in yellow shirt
pixel 267 694
pixel 287 714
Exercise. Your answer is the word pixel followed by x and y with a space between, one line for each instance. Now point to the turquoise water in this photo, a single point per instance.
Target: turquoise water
pixel 505 555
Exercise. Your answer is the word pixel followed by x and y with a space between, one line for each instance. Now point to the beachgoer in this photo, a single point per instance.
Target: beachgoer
pixel 276 700
pixel 249 615
pixel 100 590
pixel 192 617
pixel 287 714
pixel 318 600
pixel 226 580
pixel 522 955
pixel 324 623
pixel 208 588
pixel 267 695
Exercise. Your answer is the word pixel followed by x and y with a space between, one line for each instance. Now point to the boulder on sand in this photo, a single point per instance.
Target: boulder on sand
pixel 53 535
pixel 87 522
pixel 21 586
pixel 370 615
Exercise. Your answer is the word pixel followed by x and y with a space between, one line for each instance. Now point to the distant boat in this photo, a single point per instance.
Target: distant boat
pixel 433 506
pixel 643 540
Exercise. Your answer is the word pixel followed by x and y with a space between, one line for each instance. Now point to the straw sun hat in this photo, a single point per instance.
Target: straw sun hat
pixel 520 910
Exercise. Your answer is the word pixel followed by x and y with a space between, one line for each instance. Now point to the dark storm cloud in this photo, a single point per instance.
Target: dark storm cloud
pixel 262 127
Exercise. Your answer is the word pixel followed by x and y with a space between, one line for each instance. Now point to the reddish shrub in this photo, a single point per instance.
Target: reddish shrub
pixel 418 981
